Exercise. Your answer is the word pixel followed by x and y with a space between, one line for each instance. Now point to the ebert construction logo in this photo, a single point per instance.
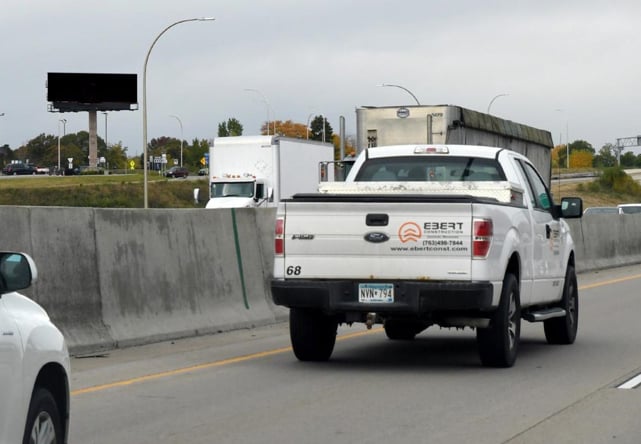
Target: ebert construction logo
pixel 409 232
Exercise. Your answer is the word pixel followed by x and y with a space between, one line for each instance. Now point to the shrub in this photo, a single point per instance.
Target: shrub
pixel 616 180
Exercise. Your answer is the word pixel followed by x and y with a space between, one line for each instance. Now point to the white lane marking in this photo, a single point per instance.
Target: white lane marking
pixel 631 383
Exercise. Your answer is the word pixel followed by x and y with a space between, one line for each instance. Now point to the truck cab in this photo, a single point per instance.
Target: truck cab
pixel 238 191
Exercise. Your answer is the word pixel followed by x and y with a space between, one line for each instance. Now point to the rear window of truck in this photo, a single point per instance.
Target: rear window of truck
pixel 430 168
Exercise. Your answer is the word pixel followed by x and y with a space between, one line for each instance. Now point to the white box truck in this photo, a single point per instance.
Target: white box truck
pixel 259 171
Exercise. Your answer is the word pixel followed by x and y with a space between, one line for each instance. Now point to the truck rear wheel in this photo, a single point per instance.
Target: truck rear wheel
pixel 498 345
pixel 313 334
pixel 396 329
pixel 563 330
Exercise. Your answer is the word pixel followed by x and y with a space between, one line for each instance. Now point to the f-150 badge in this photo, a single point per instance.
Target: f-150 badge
pixel 302 236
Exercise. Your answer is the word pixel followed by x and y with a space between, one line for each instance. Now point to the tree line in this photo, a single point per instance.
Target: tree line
pixel 42 150
pixel 583 155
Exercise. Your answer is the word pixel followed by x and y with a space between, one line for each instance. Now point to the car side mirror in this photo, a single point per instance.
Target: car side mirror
pixel 17 272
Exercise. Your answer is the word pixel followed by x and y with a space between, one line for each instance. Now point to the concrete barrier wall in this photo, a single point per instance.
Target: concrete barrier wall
pixel 606 240
pixel 118 277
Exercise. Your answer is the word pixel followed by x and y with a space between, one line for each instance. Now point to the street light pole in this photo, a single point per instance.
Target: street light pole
pixel 181 138
pixel 404 89
pixel 492 101
pixel 567 140
pixel 144 100
pixel 567 145
pixel 308 119
pixel 266 102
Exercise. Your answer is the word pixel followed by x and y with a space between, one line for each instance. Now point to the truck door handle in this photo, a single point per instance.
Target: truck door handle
pixel 377 220
pixel 548 231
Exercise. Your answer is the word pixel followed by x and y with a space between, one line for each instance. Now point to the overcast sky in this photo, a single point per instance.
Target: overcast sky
pixel 566 64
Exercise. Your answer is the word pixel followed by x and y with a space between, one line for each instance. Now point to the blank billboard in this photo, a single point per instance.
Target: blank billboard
pixel 83 88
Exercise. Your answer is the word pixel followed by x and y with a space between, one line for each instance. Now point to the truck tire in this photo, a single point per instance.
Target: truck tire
pixel 563 330
pixel 43 420
pixel 313 334
pixel 498 344
pixel 401 330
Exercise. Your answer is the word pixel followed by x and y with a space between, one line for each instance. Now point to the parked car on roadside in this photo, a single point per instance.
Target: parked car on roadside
pixel 34 362
pixel 15 169
pixel 42 170
pixel 177 171
pixel 601 210
pixel 203 171
pixel 634 208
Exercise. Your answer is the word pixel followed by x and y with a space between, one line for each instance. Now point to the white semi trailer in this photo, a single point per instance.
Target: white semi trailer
pixel 452 125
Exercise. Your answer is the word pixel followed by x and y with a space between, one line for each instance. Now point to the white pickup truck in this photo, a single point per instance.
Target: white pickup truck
pixel 421 235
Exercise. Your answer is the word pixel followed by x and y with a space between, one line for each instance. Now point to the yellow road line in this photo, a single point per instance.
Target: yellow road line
pixel 609 282
pixel 180 371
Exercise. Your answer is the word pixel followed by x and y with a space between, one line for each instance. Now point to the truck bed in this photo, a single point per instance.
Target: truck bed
pixel 501 191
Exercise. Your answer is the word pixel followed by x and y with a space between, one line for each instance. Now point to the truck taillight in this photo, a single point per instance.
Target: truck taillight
pixel 482 237
pixel 279 241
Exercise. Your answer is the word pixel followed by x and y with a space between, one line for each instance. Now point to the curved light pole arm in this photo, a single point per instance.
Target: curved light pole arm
pixel 404 89
pixel 266 102
pixel 308 119
pixel 492 101
pixel 144 99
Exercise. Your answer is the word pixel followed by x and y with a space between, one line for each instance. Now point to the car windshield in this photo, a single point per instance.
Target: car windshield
pixel 235 189
pixel 430 168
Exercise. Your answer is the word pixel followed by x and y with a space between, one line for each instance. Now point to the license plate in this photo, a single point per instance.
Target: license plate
pixel 376 293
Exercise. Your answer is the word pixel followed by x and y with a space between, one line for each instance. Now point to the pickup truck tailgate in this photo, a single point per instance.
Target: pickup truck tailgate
pixel 376 237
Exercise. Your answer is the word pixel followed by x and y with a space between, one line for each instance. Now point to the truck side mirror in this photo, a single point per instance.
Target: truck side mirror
pixel 571 207
pixel 260 192
pixel 323 171
pixel 196 196
pixel 270 194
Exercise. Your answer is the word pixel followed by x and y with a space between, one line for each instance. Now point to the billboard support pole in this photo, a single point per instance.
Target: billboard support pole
pixel 93 139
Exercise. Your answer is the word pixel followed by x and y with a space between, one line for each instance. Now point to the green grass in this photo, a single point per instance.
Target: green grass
pixel 126 191
pixel 100 191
